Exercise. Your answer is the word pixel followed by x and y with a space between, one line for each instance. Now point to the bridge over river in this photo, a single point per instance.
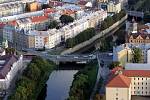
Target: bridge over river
pixel 78 58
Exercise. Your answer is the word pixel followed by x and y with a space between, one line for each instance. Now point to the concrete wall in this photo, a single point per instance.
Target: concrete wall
pixel 88 42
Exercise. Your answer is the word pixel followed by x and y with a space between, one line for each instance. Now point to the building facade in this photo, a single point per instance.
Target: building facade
pixel 127 83
pixel 114 7
pixel 10 65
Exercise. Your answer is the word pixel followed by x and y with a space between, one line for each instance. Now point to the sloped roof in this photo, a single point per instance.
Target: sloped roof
pixel 119 81
pixel 39 18
pixel 137 73
pixel 5 67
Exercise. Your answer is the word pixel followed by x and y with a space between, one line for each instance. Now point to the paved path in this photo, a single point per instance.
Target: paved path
pixel 103 71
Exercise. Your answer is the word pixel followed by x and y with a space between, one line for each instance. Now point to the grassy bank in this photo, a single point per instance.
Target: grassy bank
pixel 33 79
pixel 83 82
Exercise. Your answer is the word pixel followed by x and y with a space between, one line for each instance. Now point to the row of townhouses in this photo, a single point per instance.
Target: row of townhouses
pixel 10 65
pixel 53 37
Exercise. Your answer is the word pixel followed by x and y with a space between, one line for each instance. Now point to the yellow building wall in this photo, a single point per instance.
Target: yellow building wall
pixel 33 6
pixel 31 42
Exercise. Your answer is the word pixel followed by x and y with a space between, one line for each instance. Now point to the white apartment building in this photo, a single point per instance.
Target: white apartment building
pixel 125 50
pixel 40 39
pixel 90 20
pixel 2 51
pixel 11 8
pixel 114 7
pixel 127 83
pixel 33 23
pixel 54 36
pixel 10 65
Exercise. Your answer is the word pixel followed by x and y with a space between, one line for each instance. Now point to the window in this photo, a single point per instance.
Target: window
pixel 142 78
pixel 146 83
pixel 138 87
pixel 116 94
pixel 138 78
pixel 145 87
pixel 116 98
pixel 142 87
pixel 134 78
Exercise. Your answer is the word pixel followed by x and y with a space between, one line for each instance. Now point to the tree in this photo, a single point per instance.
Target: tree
pixel 10 51
pixel 104 25
pixel 53 24
pixel 137 55
pixel 114 64
pixel 45 6
pixel 109 20
pixel 65 19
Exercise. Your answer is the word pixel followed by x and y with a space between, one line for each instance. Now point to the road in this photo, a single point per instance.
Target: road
pixel 103 71
pixel 66 58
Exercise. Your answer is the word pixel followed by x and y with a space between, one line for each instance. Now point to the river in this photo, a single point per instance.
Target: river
pixel 58 85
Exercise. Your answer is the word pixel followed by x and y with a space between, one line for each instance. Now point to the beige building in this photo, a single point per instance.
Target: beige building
pixel 102 1
pixel 119 88
pixel 129 82
pixel 113 7
pixel 123 54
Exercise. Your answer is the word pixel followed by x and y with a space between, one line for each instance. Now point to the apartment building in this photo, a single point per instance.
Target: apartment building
pixel 41 39
pixel 125 83
pixel 30 30
pixel 114 7
pixel 123 54
pixel 2 51
pixel 102 1
pixel 140 35
pixel 10 65
pixel 33 23
pixel 12 8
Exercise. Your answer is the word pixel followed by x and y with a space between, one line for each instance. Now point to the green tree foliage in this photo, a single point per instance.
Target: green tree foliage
pixel 111 20
pixel 65 19
pixel 83 83
pixel 45 6
pixel 83 36
pixel 53 24
pixel 147 17
pixel 137 55
pixel 33 79
pixel 10 51
pixel 114 64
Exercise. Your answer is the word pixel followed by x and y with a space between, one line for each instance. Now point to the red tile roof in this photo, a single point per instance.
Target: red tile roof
pixel 68 12
pixel 82 2
pixel 49 10
pixel 6 66
pixel 2 25
pixel 137 73
pixel 114 70
pixel 119 81
pixel 13 23
pixel 39 18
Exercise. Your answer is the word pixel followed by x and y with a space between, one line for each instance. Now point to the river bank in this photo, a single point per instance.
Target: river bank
pixel 33 79
pixel 83 82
